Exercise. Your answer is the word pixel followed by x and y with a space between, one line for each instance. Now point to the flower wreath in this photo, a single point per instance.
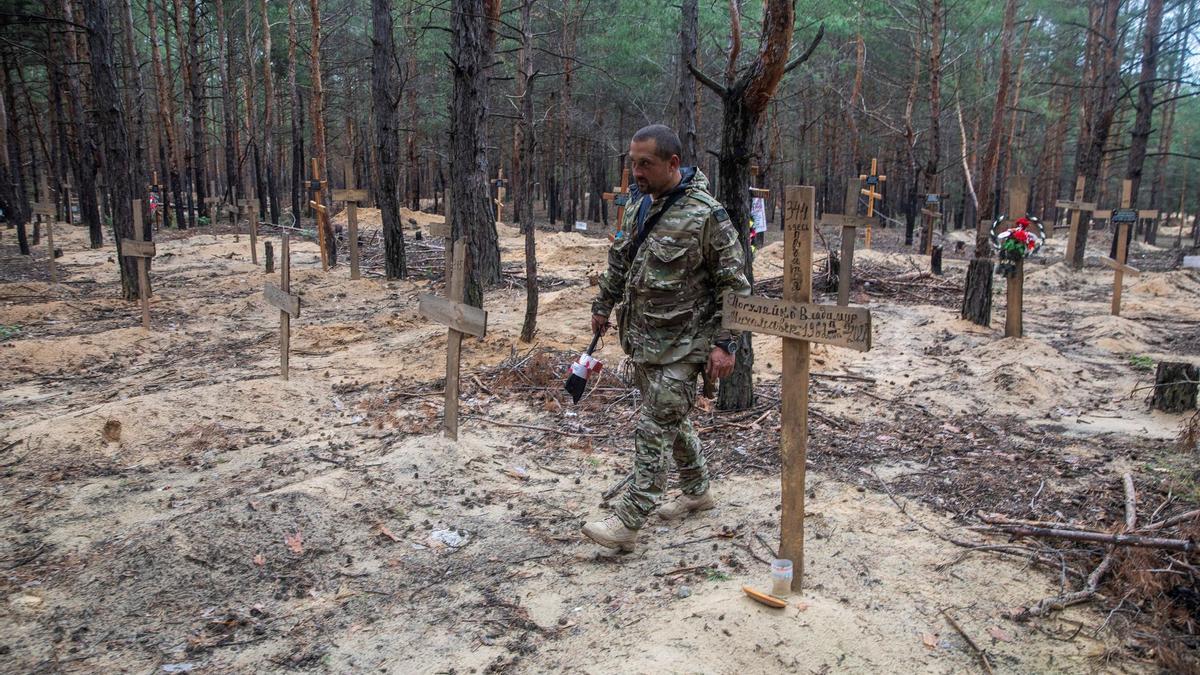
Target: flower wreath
pixel 1016 243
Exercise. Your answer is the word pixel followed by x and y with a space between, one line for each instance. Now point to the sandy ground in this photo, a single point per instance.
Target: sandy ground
pixel 237 522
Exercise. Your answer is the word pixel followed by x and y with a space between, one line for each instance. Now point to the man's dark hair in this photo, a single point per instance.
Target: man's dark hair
pixel 666 141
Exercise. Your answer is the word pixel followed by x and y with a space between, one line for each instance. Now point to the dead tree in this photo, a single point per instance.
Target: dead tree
pixel 744 99
pixel 385 100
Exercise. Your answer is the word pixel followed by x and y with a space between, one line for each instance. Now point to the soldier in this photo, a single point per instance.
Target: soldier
pixel 676 255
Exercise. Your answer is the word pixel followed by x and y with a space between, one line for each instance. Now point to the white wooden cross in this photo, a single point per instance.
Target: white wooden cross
pixel 461 319
pixel 799 323
pixel 1124 218
pixel 45 208
pixel 281 297
pixel 1075 207
pixel 872 180
pixel 140 249
pixel 849 222
pixel 352 196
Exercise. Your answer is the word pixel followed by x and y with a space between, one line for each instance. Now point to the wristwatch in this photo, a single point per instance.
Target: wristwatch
pixel 730 346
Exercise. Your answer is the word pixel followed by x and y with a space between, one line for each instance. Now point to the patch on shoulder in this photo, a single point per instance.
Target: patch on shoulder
pixel 720 213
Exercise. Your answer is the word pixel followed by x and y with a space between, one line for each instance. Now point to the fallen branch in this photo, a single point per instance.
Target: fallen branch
pixel 1185 545
pixel 983 659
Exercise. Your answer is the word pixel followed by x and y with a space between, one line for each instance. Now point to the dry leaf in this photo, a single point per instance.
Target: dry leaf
pixel 295 542
pixel 382 530
pixel 260 560
pixel 930 640
pixel 998 633
pixel 704 404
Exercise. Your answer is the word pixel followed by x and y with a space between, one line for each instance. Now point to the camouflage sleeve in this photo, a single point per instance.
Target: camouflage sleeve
pixel 726 262
pixel 612 282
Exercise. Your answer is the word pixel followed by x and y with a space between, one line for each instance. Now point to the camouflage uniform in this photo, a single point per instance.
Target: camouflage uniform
pixel 668 319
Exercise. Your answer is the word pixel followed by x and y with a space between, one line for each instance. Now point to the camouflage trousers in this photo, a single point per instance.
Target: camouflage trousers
pixel 668 394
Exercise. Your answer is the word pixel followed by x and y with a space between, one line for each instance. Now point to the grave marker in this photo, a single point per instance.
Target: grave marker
pixel 461 319
pixel 1075 207
pixel 140 249
pixel 931 213
pixel 849 222
pixel 799 323
pixel 501 192
pixel 250 207
pixel 1014 312
pixel 288 304
pixel 317 203
pixel 45 208
pixel 872 181
pixel 351 195
pixel 1123 218
pixel 620 196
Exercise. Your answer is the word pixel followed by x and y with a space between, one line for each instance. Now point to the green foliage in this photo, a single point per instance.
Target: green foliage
pixel 8 332
pixel 714 574
pixel 1141 363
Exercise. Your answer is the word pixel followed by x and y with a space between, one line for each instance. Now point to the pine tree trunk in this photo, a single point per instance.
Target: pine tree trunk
pixel 686 112
pixel 13 200
pixel 1140 135
pixel 297 116
pixel 113 130
pixel 269 116
pixel 384 102
pixel 318 103
pixel 471 214
pixel 523 179
pixel 83 154
pixel 232 189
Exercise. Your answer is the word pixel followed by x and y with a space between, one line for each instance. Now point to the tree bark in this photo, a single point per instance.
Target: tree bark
pixel 113 130
pixel 523 180
pixel 471 214
pixel 385 99
pixel 686 112
pixel 232 185
pixel 84 158
pixel 297 116
pixel 1140 135
pixel 318 104
pixel 272 194
pixel 13 200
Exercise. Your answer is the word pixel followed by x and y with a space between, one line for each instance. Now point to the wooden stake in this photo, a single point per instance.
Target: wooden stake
pixel 1013 323
pixel 289 305
pixel 351 195
pixel 461 320
pixel 140 254
pixel 799 209
pixel 849 222
pixel 1123 218
pixel 320 217
pixel 1076 207
pixel 46 214
pixel 619 196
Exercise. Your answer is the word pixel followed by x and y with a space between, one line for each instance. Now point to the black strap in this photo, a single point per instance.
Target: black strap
pixel 651 222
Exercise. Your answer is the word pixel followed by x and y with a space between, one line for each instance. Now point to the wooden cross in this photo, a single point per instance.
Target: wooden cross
pixel 250 207
pixel 759 229
pixel 317 187
pixel 872 180
pixel 1018 200
pixel 352 196
pixel 209 202
pixel 288 304
pixel 849 222
pixel 799 323
pixel 461 319
pixel 140 249
pixel 931 212
pixel 620 196
pixel 501 192
pixel 1075 207
pixel 45 208
pixel 1123 218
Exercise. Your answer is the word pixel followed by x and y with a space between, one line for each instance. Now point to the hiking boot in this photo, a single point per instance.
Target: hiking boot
pixel 685 505
pixel 611 533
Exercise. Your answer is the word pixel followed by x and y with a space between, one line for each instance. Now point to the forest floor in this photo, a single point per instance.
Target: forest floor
pixel 235 522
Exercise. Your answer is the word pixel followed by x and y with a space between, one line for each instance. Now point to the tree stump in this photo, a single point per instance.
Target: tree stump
pixel 935 261
pixel 270 258
pixel 977 300
pixel 1175 386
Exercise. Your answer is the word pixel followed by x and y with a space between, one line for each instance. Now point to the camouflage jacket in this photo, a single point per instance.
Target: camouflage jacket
pixel 670 292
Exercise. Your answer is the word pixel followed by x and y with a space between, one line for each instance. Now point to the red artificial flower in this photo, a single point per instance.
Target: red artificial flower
pixel 1023 222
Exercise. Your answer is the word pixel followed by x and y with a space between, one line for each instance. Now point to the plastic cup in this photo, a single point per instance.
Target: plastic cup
pixel 781 578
